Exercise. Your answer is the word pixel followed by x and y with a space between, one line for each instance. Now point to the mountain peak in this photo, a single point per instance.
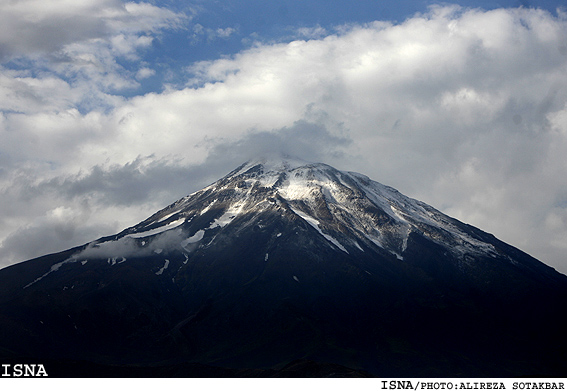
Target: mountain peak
pixel 284 259
pixel 347 211
pixel 272 163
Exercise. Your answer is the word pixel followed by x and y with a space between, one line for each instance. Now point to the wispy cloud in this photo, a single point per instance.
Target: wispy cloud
pixel 316 32
pixel 209 34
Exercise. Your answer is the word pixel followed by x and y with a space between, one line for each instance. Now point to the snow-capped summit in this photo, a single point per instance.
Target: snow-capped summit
pixel 350 211
pixel 283 260
pixel 272 163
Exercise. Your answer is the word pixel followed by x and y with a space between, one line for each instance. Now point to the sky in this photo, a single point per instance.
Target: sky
pixel 110 110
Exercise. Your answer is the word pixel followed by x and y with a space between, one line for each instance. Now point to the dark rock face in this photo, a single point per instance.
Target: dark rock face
pixel 283 269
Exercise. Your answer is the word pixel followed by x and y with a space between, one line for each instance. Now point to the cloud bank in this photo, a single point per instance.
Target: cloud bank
pixel 464 109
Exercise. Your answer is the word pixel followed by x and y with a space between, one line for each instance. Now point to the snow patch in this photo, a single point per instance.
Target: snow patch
pixel 399 214
pixel 166 216
pixel 208 207
pixel 405 240
pixel 273 164
pixel 229 215
pixel 53 268
pixel 158 230
pixel 376 241
pixel 193 239
pixel 222 221
pixel 315 224
pixel 160 271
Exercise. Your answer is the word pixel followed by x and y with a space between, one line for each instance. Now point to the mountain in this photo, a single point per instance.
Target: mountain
pixel 285 268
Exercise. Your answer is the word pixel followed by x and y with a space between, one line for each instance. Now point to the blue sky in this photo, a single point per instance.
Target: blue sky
pixel 248 22
pixel 111 109
pixel 214 29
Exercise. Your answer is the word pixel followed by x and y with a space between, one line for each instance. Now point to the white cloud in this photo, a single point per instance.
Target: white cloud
pixel 463 109
pixel 64 53
pixel 200 32
pixel 44 26
pixel 316 32
pixel 144 73
pixel 225 33
pixel 22 93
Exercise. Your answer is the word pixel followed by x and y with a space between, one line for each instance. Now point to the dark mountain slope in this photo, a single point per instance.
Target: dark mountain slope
pixel 279 262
